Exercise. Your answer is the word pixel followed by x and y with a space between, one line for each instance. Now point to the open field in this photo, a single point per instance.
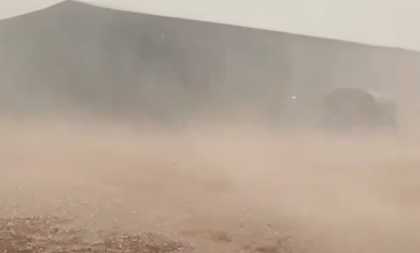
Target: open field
pixel 72 187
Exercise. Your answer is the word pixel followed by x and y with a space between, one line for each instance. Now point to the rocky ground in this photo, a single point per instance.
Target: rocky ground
pixel 72 187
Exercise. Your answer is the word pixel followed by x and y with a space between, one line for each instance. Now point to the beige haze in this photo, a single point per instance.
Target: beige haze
pixel 386 23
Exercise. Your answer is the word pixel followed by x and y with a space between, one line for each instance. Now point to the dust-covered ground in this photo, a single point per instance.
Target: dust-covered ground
pixel 68 186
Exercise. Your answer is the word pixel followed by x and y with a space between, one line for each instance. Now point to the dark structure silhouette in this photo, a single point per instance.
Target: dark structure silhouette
pixel 115 63
pixel 351 109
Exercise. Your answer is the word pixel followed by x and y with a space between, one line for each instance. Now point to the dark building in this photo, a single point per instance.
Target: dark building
pixel 115 63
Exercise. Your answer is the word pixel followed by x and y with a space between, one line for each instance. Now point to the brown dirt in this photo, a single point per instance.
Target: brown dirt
pixel 72 187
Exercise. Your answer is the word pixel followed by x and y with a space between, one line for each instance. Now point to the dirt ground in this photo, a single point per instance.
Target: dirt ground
pixel 73 187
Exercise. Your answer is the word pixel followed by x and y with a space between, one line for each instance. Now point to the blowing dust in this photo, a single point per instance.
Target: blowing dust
pixel 216 189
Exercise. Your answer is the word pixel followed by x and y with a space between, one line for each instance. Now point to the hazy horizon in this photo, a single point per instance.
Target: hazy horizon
pixel 371 22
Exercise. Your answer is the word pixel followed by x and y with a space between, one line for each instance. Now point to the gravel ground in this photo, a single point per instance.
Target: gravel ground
pixel 78 188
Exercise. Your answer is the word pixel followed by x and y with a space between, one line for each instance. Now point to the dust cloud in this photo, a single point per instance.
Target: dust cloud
pixel 216 188
pixel 124 132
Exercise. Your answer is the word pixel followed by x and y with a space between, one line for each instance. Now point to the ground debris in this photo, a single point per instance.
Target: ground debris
pixel 51 235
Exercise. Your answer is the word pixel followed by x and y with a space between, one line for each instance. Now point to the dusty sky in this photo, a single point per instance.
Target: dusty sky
pixel 388 23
